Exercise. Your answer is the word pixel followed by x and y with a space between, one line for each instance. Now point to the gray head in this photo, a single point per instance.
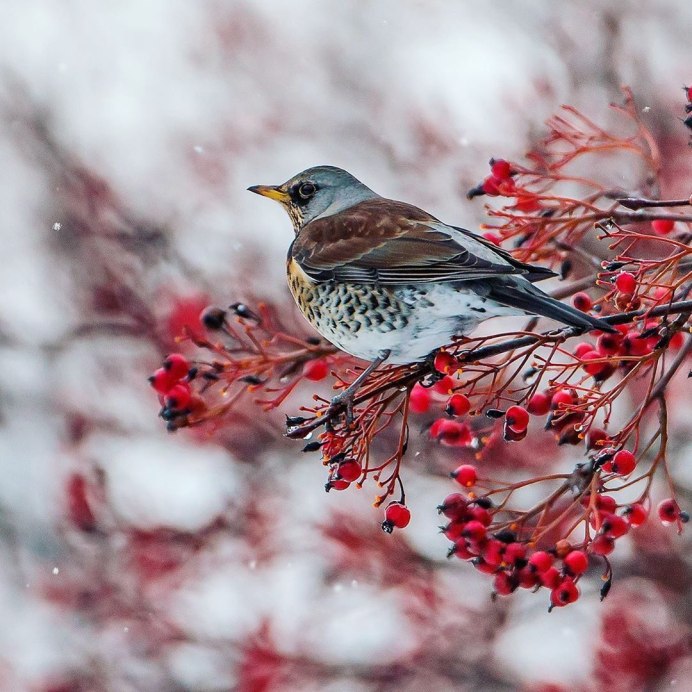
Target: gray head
pixel 316 192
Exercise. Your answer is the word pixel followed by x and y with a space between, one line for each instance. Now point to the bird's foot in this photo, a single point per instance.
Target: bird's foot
pixel 342 402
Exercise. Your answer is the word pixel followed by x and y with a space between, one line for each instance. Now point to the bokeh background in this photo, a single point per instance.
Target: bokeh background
pixel 132 559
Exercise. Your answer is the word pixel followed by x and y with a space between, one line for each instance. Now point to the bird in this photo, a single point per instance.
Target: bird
pixel 385 280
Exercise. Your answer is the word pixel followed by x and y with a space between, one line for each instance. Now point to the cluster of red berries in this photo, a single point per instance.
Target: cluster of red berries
pixel 449 431
pixel 513 563
pixel 172 384
pixel 602 359
pixel 343 471
pixel 499 182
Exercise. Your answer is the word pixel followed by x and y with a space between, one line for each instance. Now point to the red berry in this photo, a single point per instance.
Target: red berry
pixel 662 226
pixel 550 578
pixel 507 186
pixel 504 584
pixel 676 341
pixel 517 418
pixel 581 348
pixel 465 475
pixel 582 301
pixel 591 365
pixel 623 463
pixel 514 552
pixel 451 433
pixel 626 282
pixel 493 551
pixel 500 168
pixel 613 525
pixel 420 398
pixel 541 561
pixel 576 561
pixel 662 294
pixel 162 381
pixel 565 593
pixel 527 203
pixel 474 531
pixel 602 545
pixel 668 511
pixel 493 238
pixel 349 470
pixel 490 186
pixel 561 399
pixel 528 578
pixel 636 514
pixel 445 385
pixel 316 370
pixel 461 550
pixel 445 362
pixel 604 503
pixel 458 405
pixel 609 344
pixel 482 566
pixel 177 365
pixel 453 506
pixel 634 345
pixel 336 484
pixel 539 404
pixel 178 397
pixel 481 514
pixel 454 531
pixel 396 516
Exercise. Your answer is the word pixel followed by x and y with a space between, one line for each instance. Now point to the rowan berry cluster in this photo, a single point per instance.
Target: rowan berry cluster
pixel 172 382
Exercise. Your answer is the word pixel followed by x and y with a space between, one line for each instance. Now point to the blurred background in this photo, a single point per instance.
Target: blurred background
pixel 132 559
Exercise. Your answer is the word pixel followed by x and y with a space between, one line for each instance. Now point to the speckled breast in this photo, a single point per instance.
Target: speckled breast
pixel 342 311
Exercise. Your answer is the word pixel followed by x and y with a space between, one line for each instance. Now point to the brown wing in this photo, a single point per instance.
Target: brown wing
pixel 388 242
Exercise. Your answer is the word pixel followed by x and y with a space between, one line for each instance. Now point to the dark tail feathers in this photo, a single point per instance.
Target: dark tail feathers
pixel 519 293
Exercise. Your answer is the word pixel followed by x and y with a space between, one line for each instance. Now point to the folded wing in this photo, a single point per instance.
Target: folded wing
pixel 387 242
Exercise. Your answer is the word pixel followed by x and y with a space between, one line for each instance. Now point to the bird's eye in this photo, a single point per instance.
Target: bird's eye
pixel 307 190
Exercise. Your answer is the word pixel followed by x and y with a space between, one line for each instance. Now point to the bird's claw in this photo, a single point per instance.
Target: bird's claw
pixel 343 402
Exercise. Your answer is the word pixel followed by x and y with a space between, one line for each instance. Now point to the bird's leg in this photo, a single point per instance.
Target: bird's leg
pixel 345 398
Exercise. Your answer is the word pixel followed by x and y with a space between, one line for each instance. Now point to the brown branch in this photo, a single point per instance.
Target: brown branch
pixel 641 203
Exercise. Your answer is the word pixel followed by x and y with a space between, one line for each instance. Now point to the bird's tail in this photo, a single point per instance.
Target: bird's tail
pixel 519 293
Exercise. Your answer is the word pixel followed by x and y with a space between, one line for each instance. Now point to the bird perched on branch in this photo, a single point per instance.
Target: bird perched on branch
pixel 385 280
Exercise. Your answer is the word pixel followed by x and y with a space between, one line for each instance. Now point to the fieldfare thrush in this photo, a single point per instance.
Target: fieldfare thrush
pixel 384 280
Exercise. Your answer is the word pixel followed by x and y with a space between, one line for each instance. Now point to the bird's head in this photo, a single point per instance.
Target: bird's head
pixel 316 192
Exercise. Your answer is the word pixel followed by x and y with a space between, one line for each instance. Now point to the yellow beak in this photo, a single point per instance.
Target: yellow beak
pixel 271 191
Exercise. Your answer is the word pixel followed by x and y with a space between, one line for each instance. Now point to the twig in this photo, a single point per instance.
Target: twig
pixel 477 354
pixel 641 203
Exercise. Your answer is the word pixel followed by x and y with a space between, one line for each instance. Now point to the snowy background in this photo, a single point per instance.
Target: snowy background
pixel 131 559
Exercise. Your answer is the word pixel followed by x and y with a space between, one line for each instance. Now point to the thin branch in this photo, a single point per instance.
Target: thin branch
pixel 477 354
pixel 642 203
